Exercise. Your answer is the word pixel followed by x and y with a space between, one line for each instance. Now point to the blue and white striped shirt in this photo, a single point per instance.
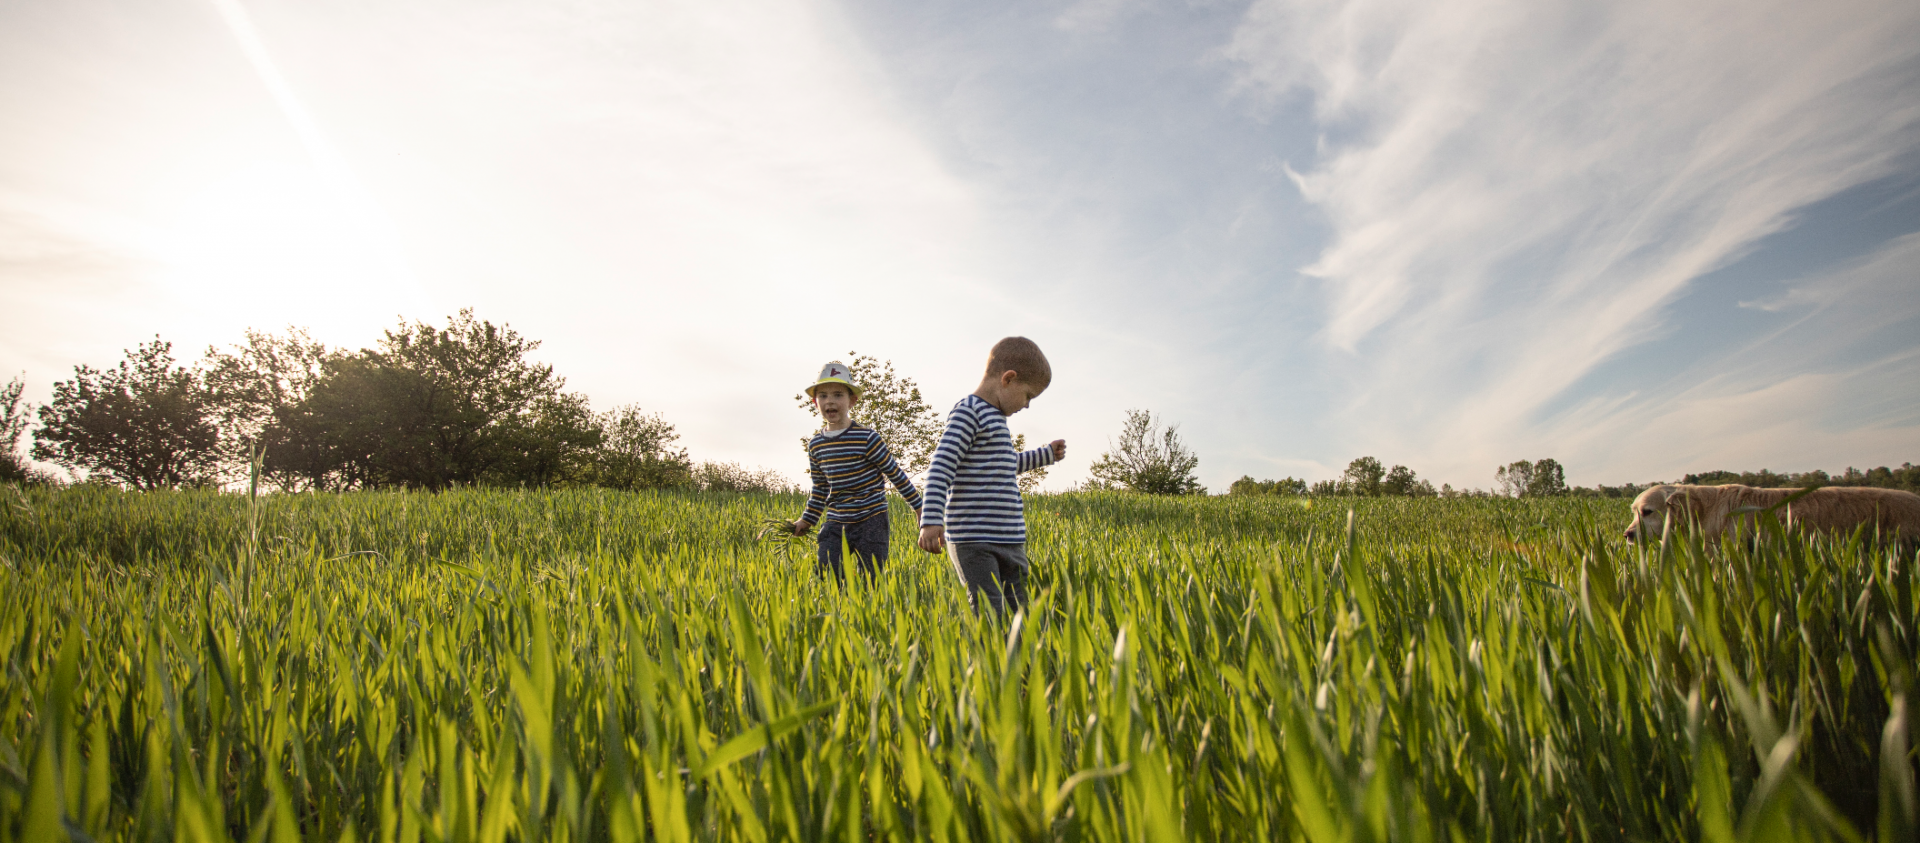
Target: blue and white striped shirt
pixel 846 469
pixel 973 488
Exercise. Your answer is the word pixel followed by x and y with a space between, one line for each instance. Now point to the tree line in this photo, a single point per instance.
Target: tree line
pixel 1907 477
pixel 1368 477
pixel 426 408
pixel 434 407
pixel 1365 477
pixel 431 408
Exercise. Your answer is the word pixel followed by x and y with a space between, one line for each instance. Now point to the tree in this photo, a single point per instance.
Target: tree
pixel 1512 479
pixel 638 452
pixel 148 423
pixel 15 414
pixel 557 443
pixel 1402 482
pixel 1549 479
pixel 256 384
pixel 1363 477
pixel 336 435
pixel 1149 458
pixel 431 408
pixel 1542 478
pixel 893 407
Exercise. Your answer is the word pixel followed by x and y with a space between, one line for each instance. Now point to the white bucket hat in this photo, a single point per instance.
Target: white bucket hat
pixel 835 372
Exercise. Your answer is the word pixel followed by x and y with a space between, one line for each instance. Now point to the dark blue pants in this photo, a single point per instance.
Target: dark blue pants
pixel 995 574
pixel 867 538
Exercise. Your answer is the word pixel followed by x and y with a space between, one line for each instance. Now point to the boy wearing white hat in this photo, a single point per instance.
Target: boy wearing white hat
pixel 847 460
pixel 974 511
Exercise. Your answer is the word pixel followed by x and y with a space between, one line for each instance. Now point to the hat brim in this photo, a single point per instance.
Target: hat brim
pixel 846 383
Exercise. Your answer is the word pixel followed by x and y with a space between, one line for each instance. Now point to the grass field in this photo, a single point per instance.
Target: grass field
pixel 590 665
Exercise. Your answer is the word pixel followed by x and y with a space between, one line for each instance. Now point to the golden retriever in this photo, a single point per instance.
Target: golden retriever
pixel 1713 509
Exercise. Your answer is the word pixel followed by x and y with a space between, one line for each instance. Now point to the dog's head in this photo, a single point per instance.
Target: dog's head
pixel 1653 507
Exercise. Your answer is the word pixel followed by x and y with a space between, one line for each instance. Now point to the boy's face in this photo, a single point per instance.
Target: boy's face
pixel 833 401
pixel 1016 394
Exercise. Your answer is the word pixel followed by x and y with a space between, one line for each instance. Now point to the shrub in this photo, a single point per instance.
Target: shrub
pixel 1148 458
pixel 734 477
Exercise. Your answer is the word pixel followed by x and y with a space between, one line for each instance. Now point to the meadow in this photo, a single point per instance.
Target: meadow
pixel 595 665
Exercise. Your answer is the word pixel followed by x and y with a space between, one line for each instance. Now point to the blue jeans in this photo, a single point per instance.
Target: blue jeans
pixel 867 538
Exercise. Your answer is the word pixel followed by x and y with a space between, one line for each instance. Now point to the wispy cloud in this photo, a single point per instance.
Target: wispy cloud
pixel 1830 386
pixel 1518 190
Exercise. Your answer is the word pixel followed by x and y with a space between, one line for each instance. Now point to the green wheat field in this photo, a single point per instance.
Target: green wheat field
pixel 593 665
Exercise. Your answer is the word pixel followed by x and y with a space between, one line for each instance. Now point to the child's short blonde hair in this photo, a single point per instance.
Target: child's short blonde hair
pixel 1021 356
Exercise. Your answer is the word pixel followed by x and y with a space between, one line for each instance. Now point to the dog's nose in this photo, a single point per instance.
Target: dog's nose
pixel 1629 535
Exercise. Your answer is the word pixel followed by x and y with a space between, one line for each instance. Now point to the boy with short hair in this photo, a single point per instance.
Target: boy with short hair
pixel 973 506
pixel 847 461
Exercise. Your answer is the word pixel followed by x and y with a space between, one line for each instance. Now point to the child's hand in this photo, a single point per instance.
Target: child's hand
pixel 933 538
pixel 801 528
pixel 1059 449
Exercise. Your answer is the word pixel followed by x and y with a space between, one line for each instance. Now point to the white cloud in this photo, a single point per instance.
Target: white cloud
pixel 1518 190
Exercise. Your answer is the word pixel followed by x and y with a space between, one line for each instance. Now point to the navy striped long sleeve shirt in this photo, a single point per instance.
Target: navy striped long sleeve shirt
pixel 973 488
pixel 847 470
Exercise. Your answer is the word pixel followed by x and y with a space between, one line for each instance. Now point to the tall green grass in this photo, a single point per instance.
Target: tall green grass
pixel 590 665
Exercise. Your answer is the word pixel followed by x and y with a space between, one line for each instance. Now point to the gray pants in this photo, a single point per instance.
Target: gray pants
pixel 997 572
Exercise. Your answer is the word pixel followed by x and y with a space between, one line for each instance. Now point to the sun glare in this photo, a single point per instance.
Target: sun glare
pixel 271 244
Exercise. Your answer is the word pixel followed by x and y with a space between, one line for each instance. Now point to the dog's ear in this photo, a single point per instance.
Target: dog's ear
pixel 1684 506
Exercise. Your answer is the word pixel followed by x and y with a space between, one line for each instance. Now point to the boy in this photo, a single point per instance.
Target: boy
pixel 847 461
pixel 973 507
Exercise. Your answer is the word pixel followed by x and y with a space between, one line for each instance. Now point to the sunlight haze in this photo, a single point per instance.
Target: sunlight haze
pixel 1644 239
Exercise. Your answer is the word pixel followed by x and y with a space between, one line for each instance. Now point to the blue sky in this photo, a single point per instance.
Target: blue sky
pixel 1642 238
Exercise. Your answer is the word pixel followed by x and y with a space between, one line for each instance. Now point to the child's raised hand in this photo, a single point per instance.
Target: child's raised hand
pixel 1059 449
pixel 933 538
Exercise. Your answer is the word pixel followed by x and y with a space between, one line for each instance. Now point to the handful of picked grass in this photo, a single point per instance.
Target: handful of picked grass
pixel 780 532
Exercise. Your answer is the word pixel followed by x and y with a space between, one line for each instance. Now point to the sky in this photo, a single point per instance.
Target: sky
pixel 1641 238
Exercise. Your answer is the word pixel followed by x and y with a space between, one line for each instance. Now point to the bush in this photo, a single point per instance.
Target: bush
pixel 638 452
pixel 734 477
pixel 1148 458
pixel 1246 485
